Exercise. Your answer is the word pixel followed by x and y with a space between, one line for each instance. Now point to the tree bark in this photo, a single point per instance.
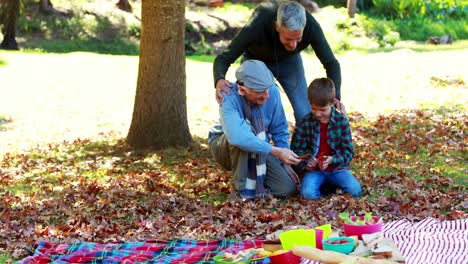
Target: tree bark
pixel 46 7
pixel 351 5
pixel 9 18
pixel 124 5
pixel 160 111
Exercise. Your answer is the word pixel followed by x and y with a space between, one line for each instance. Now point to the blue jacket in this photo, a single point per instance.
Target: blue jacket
pixel 240 133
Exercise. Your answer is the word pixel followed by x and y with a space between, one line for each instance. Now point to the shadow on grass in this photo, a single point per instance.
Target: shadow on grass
pixel 125 157
pixel 3 62
pixel 4 121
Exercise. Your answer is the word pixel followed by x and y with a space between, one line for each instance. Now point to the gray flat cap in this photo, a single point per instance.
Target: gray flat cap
pixel 255 75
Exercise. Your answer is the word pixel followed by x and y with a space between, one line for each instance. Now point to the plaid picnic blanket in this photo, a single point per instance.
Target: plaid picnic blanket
pixel 164 251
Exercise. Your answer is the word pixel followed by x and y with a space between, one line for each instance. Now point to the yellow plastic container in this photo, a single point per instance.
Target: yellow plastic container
pixel 297 237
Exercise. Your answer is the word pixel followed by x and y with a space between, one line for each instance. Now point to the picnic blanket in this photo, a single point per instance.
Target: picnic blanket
pixel 163 251
pixel 425 242
pixel 430 240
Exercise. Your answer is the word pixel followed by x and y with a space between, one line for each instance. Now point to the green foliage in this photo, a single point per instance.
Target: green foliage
pixel 436 9
pixel 440 9
pixel 134 30
pixel 79 25
pixel 421 28
pixel 335 3
pixel 104 29
pixel 383 31
pixel 4 258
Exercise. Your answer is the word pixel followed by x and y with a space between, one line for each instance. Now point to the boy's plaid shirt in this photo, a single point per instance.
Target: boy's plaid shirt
pixel 307 133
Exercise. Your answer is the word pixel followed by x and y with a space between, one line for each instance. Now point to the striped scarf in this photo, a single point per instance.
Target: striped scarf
pixel 256 161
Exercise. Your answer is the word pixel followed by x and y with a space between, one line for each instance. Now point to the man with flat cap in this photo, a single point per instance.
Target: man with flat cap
pixel 250 117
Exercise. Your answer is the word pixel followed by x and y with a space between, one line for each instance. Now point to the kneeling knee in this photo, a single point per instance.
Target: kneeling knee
pixel 354 190
pixel 310 195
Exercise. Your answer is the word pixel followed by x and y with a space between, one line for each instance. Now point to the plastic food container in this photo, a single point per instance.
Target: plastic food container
pixel 287 257
pixel 297 237
pixel 343 245
pixel 359 230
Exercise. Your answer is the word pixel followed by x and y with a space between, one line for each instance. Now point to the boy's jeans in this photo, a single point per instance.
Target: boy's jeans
pixel 343 179
pixel 290 74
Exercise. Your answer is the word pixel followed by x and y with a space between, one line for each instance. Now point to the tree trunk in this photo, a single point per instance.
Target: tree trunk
pixel 124 5
pixel 351 5
pixel 310 5
pixel 8 18
pixel 46 7
pixel 160 112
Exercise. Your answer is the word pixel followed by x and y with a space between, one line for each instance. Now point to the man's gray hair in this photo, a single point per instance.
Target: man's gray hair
pixel 291 15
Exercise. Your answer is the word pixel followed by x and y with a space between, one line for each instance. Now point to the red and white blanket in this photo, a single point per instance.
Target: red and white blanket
pixel 429 241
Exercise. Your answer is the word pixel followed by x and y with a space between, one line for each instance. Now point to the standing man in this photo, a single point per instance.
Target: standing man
pixel 252 116
pixel 276 35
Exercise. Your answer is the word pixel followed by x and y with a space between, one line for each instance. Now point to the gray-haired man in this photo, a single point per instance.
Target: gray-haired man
pixel 276 35
pixel 252 116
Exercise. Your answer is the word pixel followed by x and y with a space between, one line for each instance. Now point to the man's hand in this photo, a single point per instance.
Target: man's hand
pixel 340 106
pixel 286 155
pixel 222 86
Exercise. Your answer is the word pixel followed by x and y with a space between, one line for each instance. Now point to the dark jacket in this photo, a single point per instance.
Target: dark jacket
pixel 259 40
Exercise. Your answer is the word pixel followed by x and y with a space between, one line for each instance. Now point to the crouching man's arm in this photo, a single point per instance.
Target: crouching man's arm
pixel 285 154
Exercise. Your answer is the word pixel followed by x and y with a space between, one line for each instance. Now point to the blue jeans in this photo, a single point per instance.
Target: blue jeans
pixel 290 74
pixel 343 179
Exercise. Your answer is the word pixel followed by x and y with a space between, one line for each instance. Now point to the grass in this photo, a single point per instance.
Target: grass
pixel 373 83
pixel 114 47
pixel 94 95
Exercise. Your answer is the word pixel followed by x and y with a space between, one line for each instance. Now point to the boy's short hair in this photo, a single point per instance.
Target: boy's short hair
pixel 321 92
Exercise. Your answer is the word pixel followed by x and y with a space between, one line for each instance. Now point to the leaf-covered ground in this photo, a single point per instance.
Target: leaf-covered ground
pixel 66 174
pixel 100 190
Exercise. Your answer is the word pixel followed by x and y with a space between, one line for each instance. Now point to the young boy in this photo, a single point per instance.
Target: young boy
pixel 325 135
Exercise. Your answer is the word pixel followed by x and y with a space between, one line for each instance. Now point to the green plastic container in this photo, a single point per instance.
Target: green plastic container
pixel 346 248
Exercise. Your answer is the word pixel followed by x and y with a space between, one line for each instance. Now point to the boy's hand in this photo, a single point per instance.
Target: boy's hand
pixel 311 164
pixel 327 160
